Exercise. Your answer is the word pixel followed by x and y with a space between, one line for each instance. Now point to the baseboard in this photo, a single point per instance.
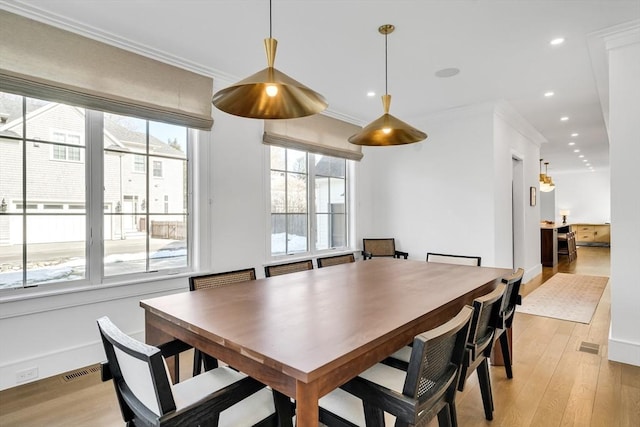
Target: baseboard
pixel 531 273
pixel 624 351
pixel 56 363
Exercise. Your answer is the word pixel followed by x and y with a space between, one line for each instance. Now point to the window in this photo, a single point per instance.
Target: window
pixel 58 202
pixel 139 164
pixel 308 202
pixel 157 169
pixel 64 152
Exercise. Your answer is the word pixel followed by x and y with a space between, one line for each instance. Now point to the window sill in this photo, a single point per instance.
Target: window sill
pixel 36 300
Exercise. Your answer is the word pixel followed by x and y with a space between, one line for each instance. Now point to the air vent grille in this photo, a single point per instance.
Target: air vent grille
pixel 589 347
pixel 79 373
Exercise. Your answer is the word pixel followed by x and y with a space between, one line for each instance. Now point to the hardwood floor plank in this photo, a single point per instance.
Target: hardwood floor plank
pixel 607 395
pixel 523 409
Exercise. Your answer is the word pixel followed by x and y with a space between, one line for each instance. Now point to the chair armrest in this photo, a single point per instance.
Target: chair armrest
pixel 366 255
pixel 399 254
pixel 173 348
pixel 382 397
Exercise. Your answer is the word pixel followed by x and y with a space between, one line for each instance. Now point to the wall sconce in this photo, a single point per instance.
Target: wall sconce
pixel 564 213
pixel 3 205
pixel 118 207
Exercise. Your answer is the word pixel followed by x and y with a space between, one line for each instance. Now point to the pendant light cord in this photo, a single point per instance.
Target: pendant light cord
pixel 386 71
pixel 270 20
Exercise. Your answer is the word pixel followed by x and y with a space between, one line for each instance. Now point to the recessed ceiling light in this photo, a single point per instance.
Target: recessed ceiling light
pixel 549 94
pixel 557 41
pixel 576 151
pixel 447 72
pixel 572 143
pixel 585 160
pixel 581 156
pixel 574 134
pixel 564 119
pixel 588 164
pixel 371 93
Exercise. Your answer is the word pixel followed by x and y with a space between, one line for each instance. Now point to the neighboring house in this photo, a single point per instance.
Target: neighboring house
pixel 56 164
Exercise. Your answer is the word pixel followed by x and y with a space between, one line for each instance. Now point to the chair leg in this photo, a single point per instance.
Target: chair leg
pixel 453 416
pixel 444 417
pixel 506 353
pixel 197 362
pixel 485 389
pixel 373 416
pixel 463 376
pixel 209 362
pixel 284 409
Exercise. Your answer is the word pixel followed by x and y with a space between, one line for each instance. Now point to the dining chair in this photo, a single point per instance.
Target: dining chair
pixel 220 397
pixel 381 247
pixel 291 267
pixel 208 281
pixel 481 338
pixel 400 359
pixel 415 396
pixel 335 260
pixel 505 317
pixel 567 245
pixel 454 259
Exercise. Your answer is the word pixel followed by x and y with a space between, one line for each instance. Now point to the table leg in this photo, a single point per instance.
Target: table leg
pixel 155 336
pixel 307 404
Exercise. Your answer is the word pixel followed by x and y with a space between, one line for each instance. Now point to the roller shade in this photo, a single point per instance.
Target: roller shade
pixel 42 61
pixel 317 134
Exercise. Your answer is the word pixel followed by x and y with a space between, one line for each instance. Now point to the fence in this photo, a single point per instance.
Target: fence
pixel 175 230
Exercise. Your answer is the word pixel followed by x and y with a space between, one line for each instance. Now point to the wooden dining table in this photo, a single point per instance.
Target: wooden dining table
pixel 306 333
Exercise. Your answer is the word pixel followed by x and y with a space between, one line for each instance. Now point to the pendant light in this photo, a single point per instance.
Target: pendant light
pixel 546 183
pixel 387 130
pixel 269 93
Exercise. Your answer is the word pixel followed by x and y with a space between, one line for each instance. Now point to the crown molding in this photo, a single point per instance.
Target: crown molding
pixel 507 112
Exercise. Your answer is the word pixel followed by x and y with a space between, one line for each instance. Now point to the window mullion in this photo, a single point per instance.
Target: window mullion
pixel 311 210
pixel 94 195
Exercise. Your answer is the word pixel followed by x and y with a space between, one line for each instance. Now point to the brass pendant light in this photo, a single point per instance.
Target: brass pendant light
pixel 387 129
pixel 546 183
pixel 269 93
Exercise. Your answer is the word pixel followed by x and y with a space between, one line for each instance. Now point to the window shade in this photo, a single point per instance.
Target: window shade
pixel 317 134
pixel 45 62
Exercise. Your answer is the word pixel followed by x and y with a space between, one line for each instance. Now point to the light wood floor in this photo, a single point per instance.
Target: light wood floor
pixel 554 384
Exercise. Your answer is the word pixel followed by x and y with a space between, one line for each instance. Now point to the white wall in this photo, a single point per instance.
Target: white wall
pixel 547 200
pixel 514 138
pixel 435 195
pixel 624 137
pixel 586 194
pixel 238 220
pixel 452 192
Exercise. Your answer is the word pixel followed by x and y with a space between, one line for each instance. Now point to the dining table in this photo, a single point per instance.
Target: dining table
pixel 306 333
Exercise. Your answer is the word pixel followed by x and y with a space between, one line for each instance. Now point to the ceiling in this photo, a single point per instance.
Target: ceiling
pixel 501 48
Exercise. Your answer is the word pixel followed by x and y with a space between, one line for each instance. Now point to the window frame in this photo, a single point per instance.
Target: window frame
pixel 94 213
pixel 311 213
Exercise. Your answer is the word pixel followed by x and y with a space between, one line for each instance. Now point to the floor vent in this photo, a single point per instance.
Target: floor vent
pixel 589 347
pixel 74 375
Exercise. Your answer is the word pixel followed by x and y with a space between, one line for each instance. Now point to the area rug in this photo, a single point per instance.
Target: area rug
pixel 565 296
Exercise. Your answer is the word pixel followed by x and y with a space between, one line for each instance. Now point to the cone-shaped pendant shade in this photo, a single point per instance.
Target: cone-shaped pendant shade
pixel 269 94
pixel 387 130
